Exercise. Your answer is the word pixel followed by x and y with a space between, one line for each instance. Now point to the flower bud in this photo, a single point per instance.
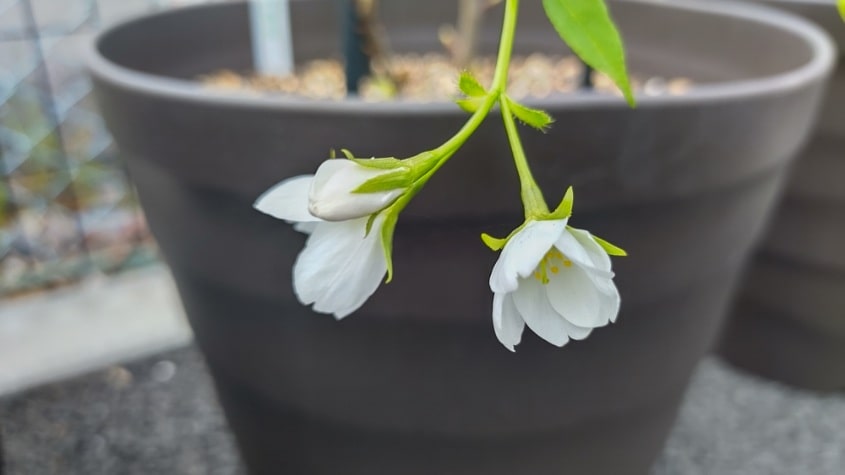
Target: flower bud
pixel 336 194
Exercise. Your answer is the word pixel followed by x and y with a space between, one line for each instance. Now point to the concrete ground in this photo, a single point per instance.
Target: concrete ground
pixel 158 415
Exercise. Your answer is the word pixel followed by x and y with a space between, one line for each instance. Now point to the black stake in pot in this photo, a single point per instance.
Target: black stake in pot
pixel 354 46
pixel 587 79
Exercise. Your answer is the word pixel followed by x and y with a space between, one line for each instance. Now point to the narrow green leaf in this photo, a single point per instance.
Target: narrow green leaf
pixel 586 26
pixel 470 86
pixel 495 244
pixel 841 5
pixel 380 163
pixel 347 153
pixel 389 180
pixel 387 242
pixel 536 118
pixel 471 104
pixel 610 248
pixel 564 209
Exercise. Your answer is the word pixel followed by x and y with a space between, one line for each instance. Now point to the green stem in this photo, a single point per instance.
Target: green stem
pixel 444 152
pixel 497 88
pixel 452 145
pixel 503 61
pixel 532 198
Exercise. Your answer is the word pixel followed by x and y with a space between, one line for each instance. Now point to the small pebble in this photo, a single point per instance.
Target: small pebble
pixel 679 86
pixel 163 371
pixel 655 86
pixel 118 377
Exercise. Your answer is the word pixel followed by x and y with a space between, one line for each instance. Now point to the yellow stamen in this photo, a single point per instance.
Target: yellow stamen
pixel 547 263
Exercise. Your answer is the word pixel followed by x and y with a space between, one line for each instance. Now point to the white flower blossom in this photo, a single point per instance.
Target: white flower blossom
pixel 555 279
pixel 332 198
pixel 341 265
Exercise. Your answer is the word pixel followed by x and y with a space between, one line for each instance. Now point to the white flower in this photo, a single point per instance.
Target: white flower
pixel 555 279
pixel 341 265
pixel 331 194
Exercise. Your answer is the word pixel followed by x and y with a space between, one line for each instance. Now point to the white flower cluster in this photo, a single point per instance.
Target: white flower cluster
pixel 553 278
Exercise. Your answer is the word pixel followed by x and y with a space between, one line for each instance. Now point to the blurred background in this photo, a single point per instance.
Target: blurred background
pixel 68 213
pixel 66 207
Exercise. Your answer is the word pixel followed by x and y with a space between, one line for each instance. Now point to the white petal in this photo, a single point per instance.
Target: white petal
pixel 288 200
pixel 573 295
pixel 306 228
pixel 331 195
pixel 597 254
pixel 596 263
pixel 507 324
pixel 573 250
pixel 340 268
pixel 523 252
pixel 541 318
pixel 610 301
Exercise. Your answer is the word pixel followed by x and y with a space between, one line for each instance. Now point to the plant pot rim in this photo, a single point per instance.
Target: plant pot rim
pixel 818 41
pixel 821 12
pixel 820 3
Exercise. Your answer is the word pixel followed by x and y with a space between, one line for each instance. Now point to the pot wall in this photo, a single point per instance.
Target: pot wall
pixel 418 383
pixel 794 334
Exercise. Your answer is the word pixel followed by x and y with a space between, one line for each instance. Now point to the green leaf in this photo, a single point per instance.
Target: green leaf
pixel 586 26
pixel 841 5
pixel 470 86
pixel 387 242
pixel 495 244
pixel 390 180
pixel 470 105
pixel 564 209
pixel 610 248
pixel 536 118
pixel 345 152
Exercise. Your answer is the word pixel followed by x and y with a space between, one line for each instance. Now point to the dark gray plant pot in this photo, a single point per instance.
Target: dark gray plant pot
pixel 415 382
pixel 789 320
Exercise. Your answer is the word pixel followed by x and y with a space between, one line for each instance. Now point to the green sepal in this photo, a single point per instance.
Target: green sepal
pixel 370 222
pixel 610 248
pixel 471 104
pixel 470 86
pixel 398 178
pixel 564 209
pixel 536 118
pixel 586 26
pixel 387 242
pixel 495 244
pixel 379 163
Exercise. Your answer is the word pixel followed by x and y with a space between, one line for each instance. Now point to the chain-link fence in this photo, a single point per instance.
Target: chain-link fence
pixel 66 207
